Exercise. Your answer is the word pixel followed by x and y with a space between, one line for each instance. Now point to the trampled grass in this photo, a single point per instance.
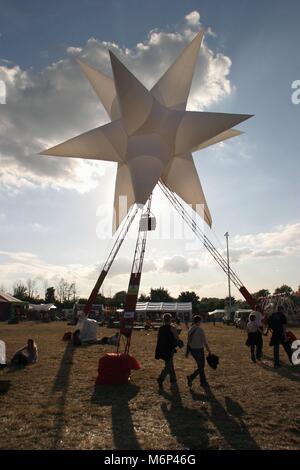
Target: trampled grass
pixel 54 405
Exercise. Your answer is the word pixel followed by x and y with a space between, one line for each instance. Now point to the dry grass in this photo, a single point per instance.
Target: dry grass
pixel 53 404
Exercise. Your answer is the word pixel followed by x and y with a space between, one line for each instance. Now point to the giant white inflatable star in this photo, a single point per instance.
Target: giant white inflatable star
pixel 151 135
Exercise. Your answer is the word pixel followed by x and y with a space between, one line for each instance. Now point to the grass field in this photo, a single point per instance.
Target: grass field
pixel 53 404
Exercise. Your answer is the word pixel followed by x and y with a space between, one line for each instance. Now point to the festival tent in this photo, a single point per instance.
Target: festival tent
pixel 10 306
pixel 42 307
pixel 177 309
pixel 217 314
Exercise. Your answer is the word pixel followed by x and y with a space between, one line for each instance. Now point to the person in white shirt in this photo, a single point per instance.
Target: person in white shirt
pixel 253 330
pixel 195 345
pixel 259 340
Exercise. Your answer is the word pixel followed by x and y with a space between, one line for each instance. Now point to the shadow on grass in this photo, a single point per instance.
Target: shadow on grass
pixel 118 398
pixel 4 386
pixel 60 385
pixel 287 371
pixel 228 421
pixel 188 426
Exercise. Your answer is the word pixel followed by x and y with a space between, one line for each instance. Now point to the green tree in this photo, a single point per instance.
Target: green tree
pixel 144 298
pixel 232 301
pixel 118 299
pixel 261 293
pixel 209 304
pixel 66 293
pixel 189 296
pixel 20 291
pixel 160 295
pixel 284 289
pixel 242 304
pixel 100 299
pixel 50 295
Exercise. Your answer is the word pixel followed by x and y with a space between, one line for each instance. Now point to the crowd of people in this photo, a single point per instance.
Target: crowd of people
pixel 257 327
pixel 168 341
pixel 277 325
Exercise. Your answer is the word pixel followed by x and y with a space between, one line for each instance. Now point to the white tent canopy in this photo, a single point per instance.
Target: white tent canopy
pixel 42 307
pixel 217 312
pixel 179 309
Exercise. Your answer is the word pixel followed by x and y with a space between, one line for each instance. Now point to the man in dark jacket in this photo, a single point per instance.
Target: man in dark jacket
pixel 167 340
pixel 277 323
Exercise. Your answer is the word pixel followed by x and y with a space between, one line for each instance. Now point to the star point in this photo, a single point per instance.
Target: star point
pixel 151 135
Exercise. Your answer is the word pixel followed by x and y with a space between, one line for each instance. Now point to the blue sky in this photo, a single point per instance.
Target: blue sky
pixel 48 211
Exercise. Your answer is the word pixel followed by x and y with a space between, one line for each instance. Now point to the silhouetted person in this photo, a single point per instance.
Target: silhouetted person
pixel 167 340
pixel 253 340
pixel 195 345
pixel 277 323
pixel 259 336
pixel 26 355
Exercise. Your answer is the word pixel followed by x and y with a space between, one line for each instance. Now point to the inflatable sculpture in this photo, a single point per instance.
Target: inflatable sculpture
pixel 151 135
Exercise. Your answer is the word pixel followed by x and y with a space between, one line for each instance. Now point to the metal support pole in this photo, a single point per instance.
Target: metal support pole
pixel 127 321
pixel 228 274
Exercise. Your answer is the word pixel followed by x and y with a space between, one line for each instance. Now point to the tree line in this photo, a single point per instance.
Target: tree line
pixel 64 294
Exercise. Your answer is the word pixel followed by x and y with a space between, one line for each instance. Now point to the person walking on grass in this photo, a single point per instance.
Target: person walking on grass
pixel 167 340
pixel 253 339
pixel 259 318
pixel 277 324
pixel 196 343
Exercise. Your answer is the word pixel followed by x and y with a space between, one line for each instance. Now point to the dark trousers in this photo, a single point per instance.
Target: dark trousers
pixel 198 355
pixel 286 346
pixel 253 349
pixel 259 345
pixel 168 370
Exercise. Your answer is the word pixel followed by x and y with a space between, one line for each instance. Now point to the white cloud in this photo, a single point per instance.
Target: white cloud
pixel 122 266
pixel 178 264
pixel 193 18
pixel 23 265
pixel 57 103
pixel 283 241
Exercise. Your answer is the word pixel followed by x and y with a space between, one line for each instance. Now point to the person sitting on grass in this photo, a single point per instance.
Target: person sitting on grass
pixel 26 355
pixel 167 340
pixel 111 340
pixel 195 345
pixel 253 337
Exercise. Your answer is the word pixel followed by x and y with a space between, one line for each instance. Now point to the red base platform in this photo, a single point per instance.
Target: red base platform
pixel 115 369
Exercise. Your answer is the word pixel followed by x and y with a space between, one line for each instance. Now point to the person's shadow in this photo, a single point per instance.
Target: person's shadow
pixel 285 370
pixel 188 426
pixel 228 422
pixel 59 390
pixel 118 398
pixel 4 386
